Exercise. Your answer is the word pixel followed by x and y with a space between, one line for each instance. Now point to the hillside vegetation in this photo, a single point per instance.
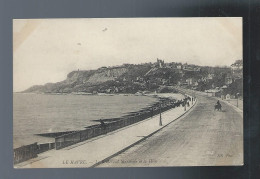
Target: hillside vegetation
pixel 148 77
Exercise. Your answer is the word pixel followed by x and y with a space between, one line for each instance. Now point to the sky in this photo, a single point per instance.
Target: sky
pixel 46 50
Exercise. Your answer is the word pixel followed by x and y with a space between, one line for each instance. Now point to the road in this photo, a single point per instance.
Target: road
pixel 203 137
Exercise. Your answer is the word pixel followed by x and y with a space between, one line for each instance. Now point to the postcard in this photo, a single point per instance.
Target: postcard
pixel 127 92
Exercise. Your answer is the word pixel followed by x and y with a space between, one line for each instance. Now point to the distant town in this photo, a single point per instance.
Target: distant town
pixel 225 82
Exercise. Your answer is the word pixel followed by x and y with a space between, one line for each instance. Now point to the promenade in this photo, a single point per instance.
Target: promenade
pixel 202 137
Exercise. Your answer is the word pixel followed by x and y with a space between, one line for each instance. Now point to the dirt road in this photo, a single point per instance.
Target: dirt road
pixel 203 137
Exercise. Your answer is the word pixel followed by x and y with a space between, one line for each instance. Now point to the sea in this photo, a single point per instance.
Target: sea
pixel 47 113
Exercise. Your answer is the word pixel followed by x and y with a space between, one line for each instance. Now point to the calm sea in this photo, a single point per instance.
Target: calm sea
pixel 41 113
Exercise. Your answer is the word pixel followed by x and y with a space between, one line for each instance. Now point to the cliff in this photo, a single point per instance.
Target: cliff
pixel 90 80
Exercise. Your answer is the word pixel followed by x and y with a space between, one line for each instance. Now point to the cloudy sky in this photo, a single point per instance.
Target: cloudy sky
pixel 46 50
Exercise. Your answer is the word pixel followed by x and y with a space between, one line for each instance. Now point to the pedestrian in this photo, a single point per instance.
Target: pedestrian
pixel 103 125
pixel 151 112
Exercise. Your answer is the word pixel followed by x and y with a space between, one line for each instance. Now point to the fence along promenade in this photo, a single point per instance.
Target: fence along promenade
pixel 79 136
pixel 27 152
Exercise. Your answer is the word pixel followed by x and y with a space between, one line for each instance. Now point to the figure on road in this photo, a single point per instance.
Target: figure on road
pixel 218 106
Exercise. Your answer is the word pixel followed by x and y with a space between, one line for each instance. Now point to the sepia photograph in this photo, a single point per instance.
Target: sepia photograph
pixel 127 92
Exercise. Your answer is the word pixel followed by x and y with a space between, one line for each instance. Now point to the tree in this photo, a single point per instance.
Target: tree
pixel 236 87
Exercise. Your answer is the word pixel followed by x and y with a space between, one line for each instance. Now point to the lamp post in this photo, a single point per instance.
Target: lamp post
pixel 160 122
pixel 237 99
pixel 193 97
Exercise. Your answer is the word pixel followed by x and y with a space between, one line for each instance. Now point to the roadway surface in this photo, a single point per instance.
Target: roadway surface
pixel 203 137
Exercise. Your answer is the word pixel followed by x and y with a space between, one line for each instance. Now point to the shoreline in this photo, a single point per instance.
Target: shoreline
pixel 100 94
pixel 160 99
pixel 51 135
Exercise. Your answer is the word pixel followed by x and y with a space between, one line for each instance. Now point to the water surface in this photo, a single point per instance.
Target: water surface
pixel 42 113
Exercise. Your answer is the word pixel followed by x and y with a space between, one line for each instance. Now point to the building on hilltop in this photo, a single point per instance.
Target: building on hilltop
pixel 160 63
pixel 238 65
pixel 179 66
pixel 187 67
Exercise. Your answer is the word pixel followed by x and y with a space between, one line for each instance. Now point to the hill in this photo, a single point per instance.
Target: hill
pixel 130 78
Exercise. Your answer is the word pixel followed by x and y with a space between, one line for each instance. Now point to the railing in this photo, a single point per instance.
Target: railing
pixel 78 136
pixel 25 153
pixel 30 151
pixel 45 147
